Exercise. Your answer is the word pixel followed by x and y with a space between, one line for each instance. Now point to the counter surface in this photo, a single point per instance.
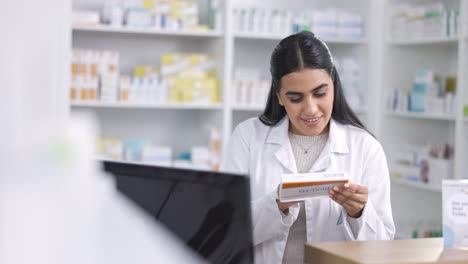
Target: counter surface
pixel 424 250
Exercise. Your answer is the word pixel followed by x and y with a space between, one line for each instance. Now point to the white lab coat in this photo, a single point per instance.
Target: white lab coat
pixel 264 153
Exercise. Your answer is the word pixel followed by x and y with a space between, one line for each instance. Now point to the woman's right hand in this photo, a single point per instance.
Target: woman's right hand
pixel 283 206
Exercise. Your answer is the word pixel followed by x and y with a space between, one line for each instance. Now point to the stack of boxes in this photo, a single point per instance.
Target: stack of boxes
pixel 94 75
pixel 428 94
pixel 190 78
pixel 181 78
pixel 249 89
pixel 173 15
pixel 350 76
pixel 205 157
pixel 326 23
pixel 425 21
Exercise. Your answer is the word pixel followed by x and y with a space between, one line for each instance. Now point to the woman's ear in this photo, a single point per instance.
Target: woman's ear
pixel 279 99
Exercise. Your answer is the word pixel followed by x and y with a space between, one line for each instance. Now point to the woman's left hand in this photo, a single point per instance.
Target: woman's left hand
pixel 353 197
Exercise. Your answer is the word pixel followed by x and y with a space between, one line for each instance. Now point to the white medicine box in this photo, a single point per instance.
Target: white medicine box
pixel 297 187
pixel 455 213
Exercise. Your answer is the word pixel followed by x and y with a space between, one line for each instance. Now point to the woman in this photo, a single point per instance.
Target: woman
pixel 307 126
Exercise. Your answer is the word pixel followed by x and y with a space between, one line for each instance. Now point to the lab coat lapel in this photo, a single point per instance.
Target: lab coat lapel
pixel 337 143
pixel 284 154
pixel 324 160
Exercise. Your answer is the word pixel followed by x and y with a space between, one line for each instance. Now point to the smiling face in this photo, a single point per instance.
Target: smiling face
pixel 307 96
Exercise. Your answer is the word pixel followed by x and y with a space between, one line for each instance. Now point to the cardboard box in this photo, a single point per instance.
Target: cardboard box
pixel 455 213
pixel 297 187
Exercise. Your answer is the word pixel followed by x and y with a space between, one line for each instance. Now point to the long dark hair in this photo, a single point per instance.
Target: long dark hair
pixel 294 53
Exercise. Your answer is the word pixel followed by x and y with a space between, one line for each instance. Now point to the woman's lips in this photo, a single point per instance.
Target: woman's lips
pixel 311 121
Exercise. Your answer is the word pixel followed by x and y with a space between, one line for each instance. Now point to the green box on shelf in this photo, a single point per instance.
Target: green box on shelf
pixel 466 110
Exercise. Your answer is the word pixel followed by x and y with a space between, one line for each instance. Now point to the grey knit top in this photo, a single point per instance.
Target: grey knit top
pixel 306 150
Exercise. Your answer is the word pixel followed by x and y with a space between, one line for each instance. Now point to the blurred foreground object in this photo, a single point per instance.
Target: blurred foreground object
pixel 55 204
pixel 57 207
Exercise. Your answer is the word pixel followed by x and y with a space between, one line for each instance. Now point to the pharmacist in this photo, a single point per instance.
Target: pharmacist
pixel 307 126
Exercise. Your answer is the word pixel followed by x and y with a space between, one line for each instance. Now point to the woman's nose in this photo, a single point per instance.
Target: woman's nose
pixel 311 107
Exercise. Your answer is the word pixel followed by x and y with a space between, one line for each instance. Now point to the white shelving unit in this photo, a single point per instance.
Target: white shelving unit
pixel 425 41
pixel 144 46
pixel 258 36
pixel 124 30
pixel 417 185
pixel 430 116
pixel 385 64
pixel 248 108
pixel 254 50
pixel 180 126
pixel 462 128
pixel 446 56
pixel 280 37
pixel 174 106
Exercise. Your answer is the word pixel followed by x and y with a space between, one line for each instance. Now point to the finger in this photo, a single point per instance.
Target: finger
pixel 353 207
pixel 289 204
pixel 362 198
pixel 284 206
pixel 354 204
pixel 342 189
pixel 337 197
pixel 334 198
pixel 356 187
pixel 350 205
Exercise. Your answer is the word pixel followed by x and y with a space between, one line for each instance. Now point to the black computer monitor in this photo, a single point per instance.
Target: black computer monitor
pixel 209 211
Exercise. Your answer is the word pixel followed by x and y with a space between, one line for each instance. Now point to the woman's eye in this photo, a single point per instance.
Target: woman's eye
pixel 320 94
pixel 295 100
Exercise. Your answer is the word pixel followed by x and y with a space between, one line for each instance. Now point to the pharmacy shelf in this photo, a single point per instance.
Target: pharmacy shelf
pixel 465 119
pixel 181 106
pixel 417 185
pixel 100 158
pixel 439 40
pixel 109 29
pixel 248 108
pixel 277 37
pixel 188 167
pixel 261 108
pixel 260 36
pixel 430 116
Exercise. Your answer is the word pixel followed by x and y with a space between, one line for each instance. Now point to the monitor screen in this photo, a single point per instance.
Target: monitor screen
pixel 209 211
